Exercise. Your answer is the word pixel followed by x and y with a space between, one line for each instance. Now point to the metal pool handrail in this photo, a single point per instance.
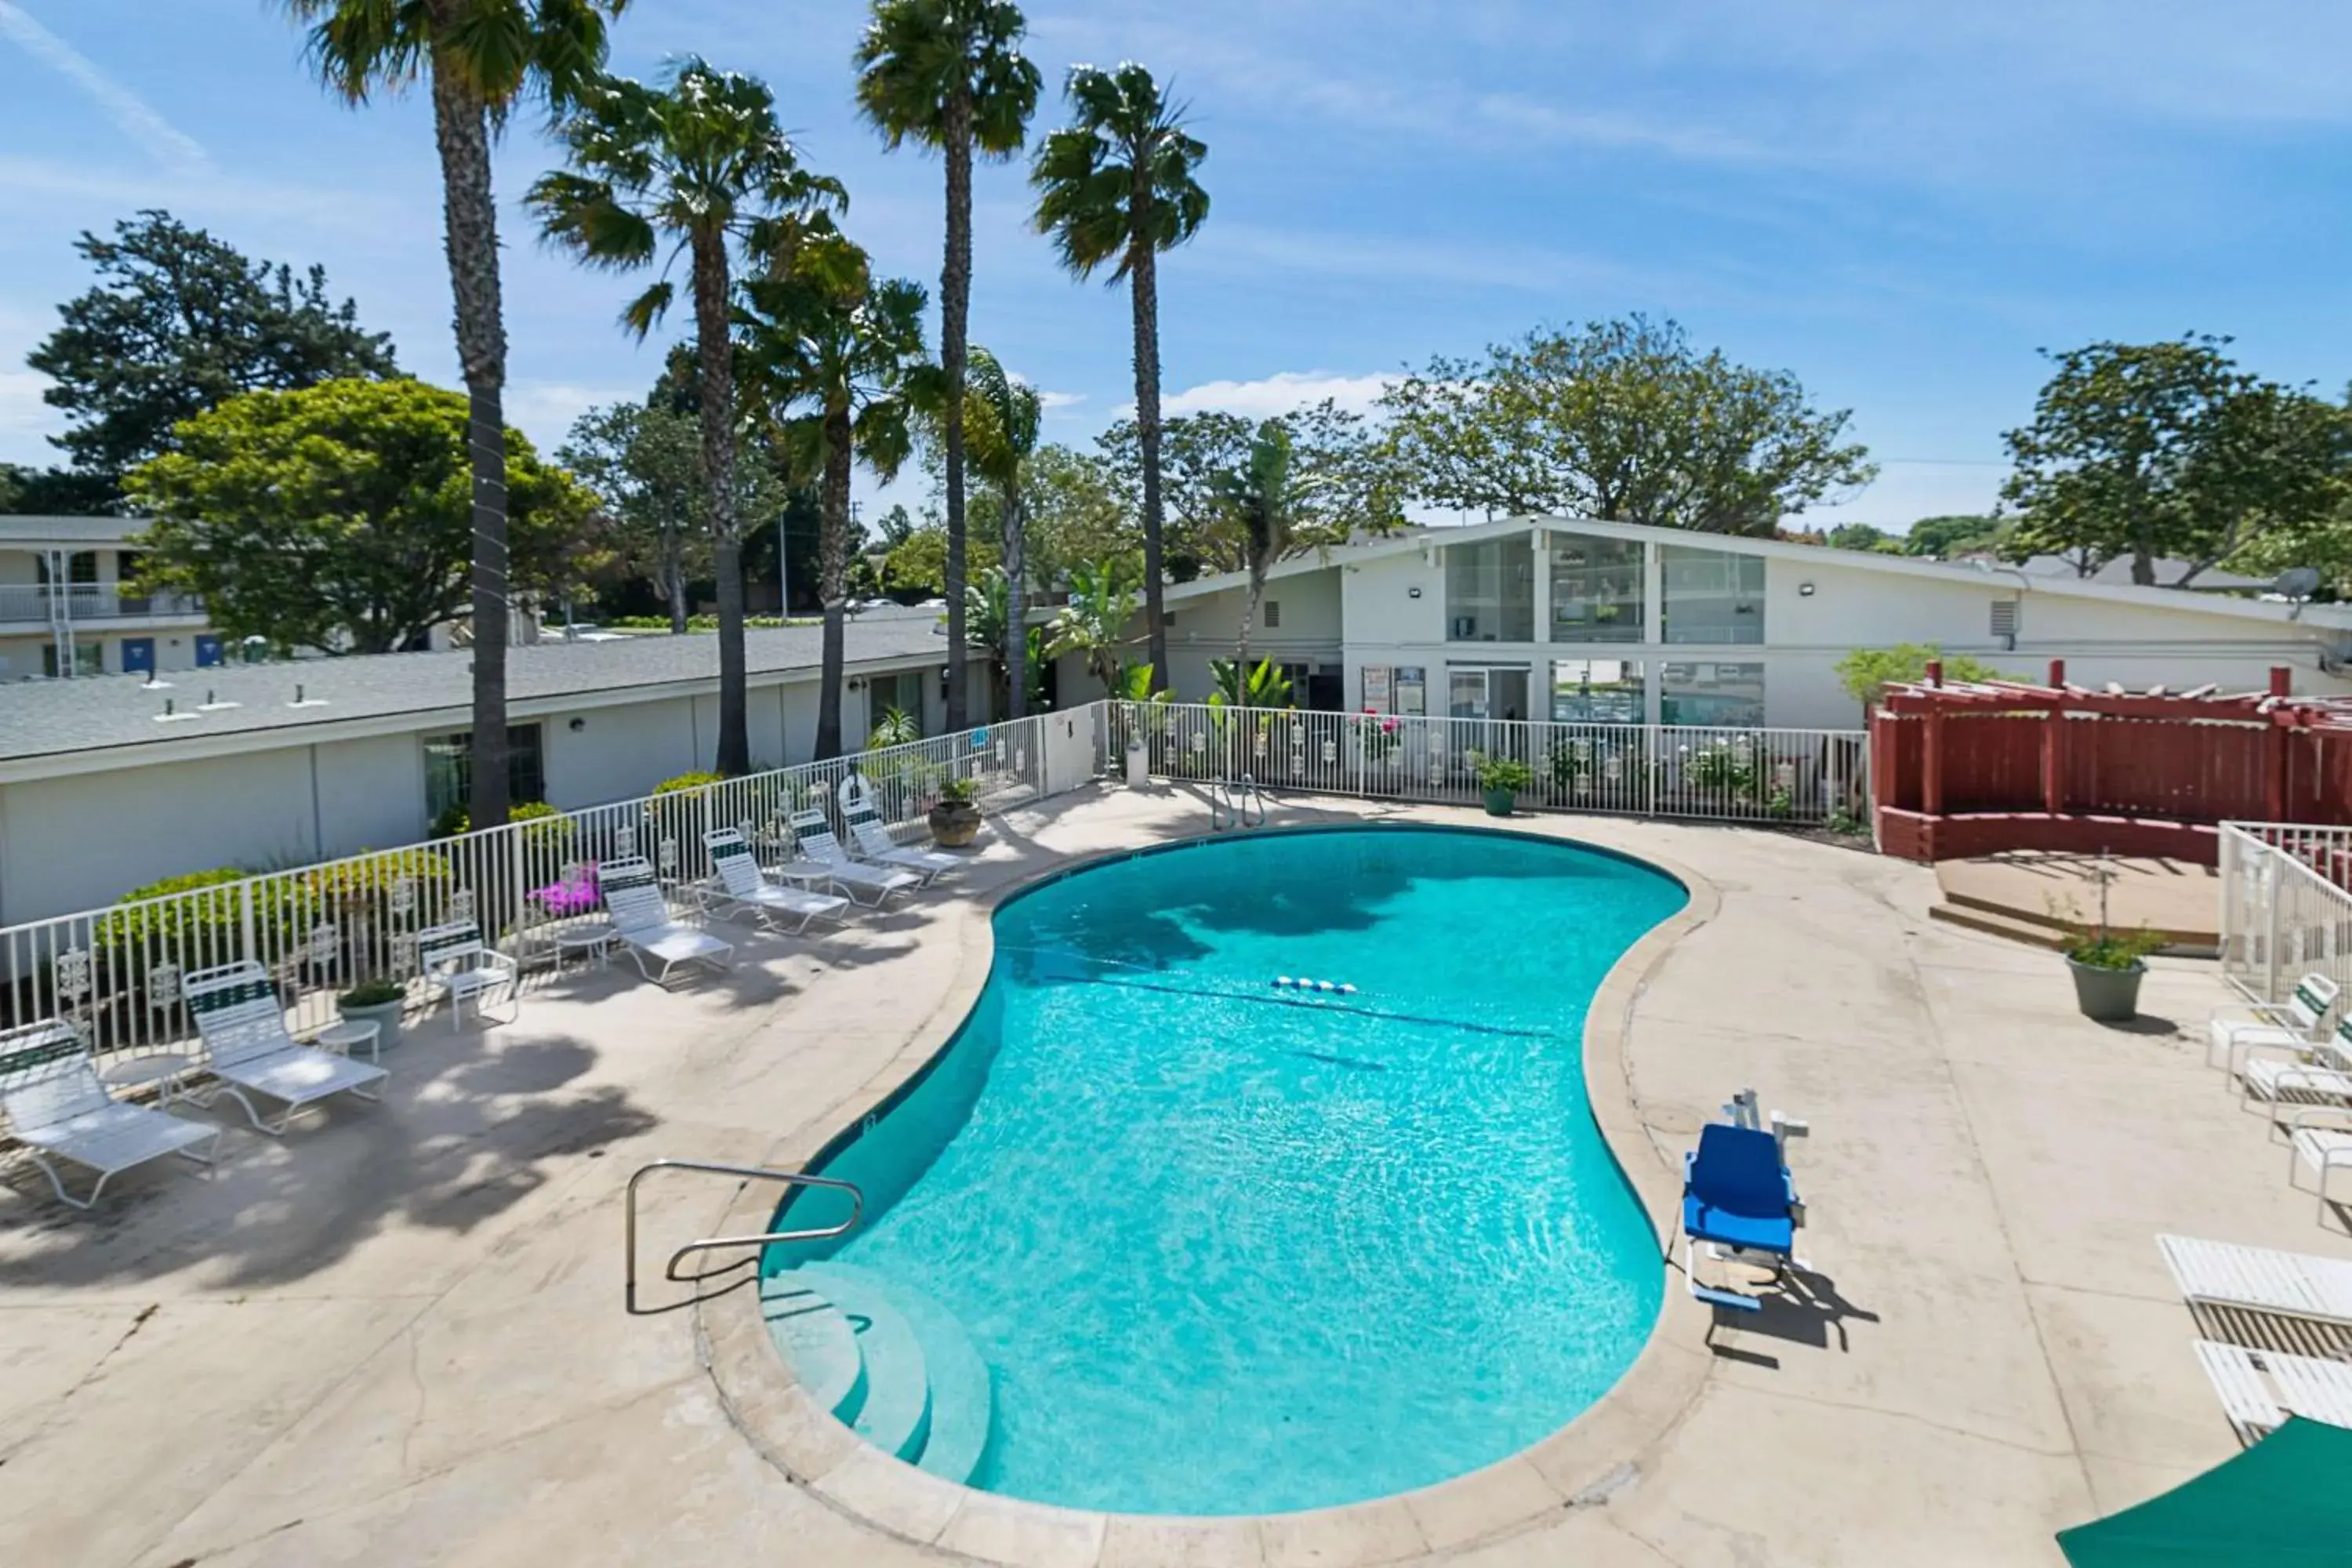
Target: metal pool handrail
pixel 1230 803
pixel 713 1243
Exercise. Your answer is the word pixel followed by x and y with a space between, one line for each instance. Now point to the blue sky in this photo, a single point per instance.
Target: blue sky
pixel 1899 201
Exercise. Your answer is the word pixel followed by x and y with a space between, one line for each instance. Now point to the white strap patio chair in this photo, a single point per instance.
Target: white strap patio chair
pixel 814 835
pixel 2324 1078
pixel 247 1049
pixel 2300 1021
pixel 455 964
pixel 875 845
pixel 2260 1389
pixel 739 885
pixel 2319 1148
pixel 642 919
pixel 58 1109
pixel 2260 1278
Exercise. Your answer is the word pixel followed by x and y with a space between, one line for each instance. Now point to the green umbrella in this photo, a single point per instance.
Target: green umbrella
pixel 2286 1501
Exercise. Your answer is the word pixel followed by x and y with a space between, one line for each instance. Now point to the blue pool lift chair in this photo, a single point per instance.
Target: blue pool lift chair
pixel 1740 1199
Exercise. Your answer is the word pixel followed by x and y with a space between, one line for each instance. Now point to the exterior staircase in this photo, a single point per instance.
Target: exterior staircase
pixel 889 1362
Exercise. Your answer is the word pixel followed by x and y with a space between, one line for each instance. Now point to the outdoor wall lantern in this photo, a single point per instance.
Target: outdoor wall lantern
pixel 1413 592
pixel 577 725
pixel 1804 590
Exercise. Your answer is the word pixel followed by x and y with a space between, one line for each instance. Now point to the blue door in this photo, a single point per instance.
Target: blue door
pixel 208 650
pixel 139 656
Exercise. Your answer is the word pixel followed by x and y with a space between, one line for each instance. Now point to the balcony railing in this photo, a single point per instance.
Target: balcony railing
pixel 47 604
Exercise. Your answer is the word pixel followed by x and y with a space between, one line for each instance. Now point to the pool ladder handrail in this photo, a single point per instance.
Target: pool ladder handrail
pixel 714 1243
pixel 1231 802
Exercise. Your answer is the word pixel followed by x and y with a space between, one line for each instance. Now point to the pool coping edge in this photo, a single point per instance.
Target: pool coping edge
pixel 1581 1465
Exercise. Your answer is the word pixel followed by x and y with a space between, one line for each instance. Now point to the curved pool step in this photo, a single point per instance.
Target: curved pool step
pixel 962 1395
pixel 819 1341
pixel 896 1416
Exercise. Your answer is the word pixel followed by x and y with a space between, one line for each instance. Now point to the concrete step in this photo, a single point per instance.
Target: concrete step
pixel 963 1394
pixel 818 1340
pixel 896 1416
pixel 1993 923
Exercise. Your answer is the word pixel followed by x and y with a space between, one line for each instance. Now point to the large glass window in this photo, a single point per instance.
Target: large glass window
pixel 1712 595
pixel 899 693
pixel 1730 695
pixel 1490 591
pixel 1597 691
pixel 1596 589
pixel 449 769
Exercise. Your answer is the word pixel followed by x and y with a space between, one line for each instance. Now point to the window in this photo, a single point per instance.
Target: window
pixel 1490 591
pixel 1730 695
pixel 88 659
pixel 449 769
pixel 1274 614
pixel 1596 589
pixel 902 690
pixel 1712 595
pixel 1598 691
pixel 81 566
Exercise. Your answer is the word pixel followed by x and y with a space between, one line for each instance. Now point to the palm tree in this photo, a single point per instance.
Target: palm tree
pixel 1004 434
pixel 700 162
pixel 1265 499
pixel 820 332
pixel 483 58
pixel 1093 623
pixel 949 74
pixel 1117 186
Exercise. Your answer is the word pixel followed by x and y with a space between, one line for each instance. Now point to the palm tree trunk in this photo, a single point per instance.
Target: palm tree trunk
pixel 470 235
pixel 1016 627
pixel 1144 287
pixel 673 578
pixel 832 578
pixel 955 313
pixel 1249 610
pixel 716 350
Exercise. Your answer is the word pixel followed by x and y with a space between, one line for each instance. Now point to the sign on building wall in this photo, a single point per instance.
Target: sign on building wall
pixel 1377 693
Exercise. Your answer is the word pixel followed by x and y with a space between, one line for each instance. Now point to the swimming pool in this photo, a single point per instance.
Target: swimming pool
pixel 1224 1247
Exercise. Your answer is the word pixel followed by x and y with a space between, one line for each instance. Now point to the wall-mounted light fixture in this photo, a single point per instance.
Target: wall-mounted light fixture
pixel 577 725
pixel 857 683
pixel 1804 590
pixel 1413 592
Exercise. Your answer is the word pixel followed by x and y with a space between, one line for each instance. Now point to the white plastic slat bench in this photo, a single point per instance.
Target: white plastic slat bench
pixel 815 836
pixel 875 844
pixel 739 885
pixel 642 919
pixel 456 964
pixel 2310 1072
pixel 2260 1278
pixel 58 1109
pixel 2260 1389
pixel 2319 1149
pixel 248 1050
pixel 2238 1382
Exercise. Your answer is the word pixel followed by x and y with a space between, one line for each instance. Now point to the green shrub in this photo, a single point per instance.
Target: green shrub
pixel 457 821
pixel 689 783
pixel 372 994
pixel 1502 773
pixel 177 919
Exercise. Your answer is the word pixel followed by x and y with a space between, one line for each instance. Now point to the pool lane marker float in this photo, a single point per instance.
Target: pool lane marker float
pixel 1336 988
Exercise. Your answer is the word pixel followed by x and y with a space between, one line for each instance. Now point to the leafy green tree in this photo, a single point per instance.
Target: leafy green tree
pixel 55 492
pixel 1622 421
pixel 1117 186
pixel 836 362
pixel 949 74
pixel 915 568
pixel 339 517
pixel 700 162
pixel 2270 481
pixel 1867 672
pixel 1863 536
pixel 1072 512
pixel 644 462
pixel 990 621
pixel 1237 683
pixel 178 322
pixel 1002 417
pixel 1093 623
pixel 1945 537
pixel 482 58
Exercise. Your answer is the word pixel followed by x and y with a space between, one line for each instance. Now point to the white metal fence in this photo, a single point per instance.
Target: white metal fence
pixel 2286 908
pixel 114 973
pixel 1793 776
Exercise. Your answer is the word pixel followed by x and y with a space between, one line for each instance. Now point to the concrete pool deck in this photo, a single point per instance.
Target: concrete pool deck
pixel 395 1336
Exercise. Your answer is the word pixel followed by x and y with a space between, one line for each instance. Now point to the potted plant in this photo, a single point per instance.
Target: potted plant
pixel 1500 779
pixel 2108 964
pixel 955 815
pixel 376 1002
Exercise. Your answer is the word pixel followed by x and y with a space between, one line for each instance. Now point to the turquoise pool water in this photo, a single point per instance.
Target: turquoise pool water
pixel 1230 1249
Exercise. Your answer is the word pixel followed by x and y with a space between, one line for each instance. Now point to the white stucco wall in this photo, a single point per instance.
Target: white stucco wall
pixel 370 794
pixel 619 752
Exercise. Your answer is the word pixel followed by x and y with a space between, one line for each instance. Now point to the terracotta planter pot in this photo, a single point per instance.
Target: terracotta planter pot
pixel 954 822
pixel 2110 995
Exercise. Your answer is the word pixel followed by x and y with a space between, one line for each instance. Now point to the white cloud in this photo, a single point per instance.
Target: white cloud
pixel 163 142
pixel 1277 393
pixel 1052 400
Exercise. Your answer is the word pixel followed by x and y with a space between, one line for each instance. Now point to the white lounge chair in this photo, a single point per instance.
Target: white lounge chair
pixel 737 883
pixel 2281 1074
pixel 247 1049
pixel 817 841
pixel 641 918
pixel 2260 1389
pixel 2299 1021
pixel 58 1107
pixel 2261 1279
pixel 457 965
pixel 2317 1148
pixel 875 845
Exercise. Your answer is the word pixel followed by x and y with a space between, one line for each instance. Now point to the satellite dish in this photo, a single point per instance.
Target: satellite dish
pixel 2297 582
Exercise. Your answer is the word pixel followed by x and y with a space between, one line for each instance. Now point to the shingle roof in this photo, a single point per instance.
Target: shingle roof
pixel 54 717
